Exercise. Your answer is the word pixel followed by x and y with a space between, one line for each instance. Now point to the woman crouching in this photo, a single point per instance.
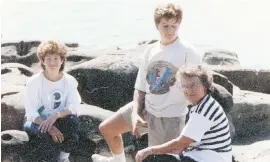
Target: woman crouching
pixel 206 136
pixel 51 100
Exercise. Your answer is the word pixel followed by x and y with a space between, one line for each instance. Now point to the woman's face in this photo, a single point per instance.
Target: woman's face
pixel 52 62
pixel 192 89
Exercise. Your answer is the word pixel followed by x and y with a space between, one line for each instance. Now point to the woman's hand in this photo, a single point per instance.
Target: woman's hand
pixel 46 125
pixel 142 154
pixel 57 136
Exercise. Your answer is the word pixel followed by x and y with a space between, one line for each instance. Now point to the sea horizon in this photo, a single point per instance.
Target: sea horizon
pixel 240 26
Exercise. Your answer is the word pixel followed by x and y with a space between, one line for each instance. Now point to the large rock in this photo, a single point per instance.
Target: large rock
pixel 14 77
pixel 108 81
pixel 248 79
pixel 223 81
pixel 24 70
pixel 23 47
pixel 76 56
pixel 13 145
pixel 223 97
pixel 25 53
pixel 251 113
pixel 12 112
pixel 80 55
pixel 221 58
pixel 255 150
pixel 11 55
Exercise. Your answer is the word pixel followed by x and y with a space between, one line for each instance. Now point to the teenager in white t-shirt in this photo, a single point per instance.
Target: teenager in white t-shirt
pixel 157 108
pixel 51 99
pixel 206 136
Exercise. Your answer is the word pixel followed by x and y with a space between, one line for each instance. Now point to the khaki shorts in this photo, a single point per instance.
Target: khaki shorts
pixel 160 130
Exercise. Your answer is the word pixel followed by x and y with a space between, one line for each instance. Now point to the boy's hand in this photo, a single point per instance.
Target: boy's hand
pixel 137 122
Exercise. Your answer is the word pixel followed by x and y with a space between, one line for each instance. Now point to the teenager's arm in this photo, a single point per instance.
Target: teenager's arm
pixel 140 84
pixel 138 101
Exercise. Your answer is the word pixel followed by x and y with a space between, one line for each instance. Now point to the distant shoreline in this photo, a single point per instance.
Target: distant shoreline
pixel 257 66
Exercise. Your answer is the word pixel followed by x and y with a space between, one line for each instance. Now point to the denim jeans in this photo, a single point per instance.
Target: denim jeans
pixel 43 148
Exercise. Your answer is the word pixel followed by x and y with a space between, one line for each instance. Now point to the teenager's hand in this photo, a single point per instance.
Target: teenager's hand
pixel 57 136
pixel 137 122
pixel 142 154
pixel 46 125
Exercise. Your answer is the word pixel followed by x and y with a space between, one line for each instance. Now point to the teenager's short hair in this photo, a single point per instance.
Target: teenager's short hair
pixel 202 73
pixel 167 11
pixel 52 47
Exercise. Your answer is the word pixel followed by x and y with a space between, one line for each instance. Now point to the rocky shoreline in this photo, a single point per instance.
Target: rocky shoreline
pixel 106 79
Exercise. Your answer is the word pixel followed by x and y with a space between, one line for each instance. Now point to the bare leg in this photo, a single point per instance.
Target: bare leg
pixel 112 130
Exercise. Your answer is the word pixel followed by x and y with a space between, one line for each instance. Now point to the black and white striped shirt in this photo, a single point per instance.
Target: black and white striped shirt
pixel 209 127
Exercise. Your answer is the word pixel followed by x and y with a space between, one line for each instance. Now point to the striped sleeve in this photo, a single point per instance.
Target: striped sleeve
pixel 217 137
pixel 201 119
pixel 196 127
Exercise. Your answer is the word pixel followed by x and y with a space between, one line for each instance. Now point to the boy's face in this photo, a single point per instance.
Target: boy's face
pixel 168 29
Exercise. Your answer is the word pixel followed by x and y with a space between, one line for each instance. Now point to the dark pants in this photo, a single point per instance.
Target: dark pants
pixel 42 146
pixel 168 158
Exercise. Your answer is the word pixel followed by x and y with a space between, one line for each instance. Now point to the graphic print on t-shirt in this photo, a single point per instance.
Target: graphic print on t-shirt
pixel 55 98
pixel 160 76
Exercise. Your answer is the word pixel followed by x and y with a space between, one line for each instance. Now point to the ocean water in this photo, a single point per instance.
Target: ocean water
pixel 241 26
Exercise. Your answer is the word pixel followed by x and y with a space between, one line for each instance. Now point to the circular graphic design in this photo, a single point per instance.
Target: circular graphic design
pixel 160 76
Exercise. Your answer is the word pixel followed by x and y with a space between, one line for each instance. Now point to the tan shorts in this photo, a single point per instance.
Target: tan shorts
pixel 160 130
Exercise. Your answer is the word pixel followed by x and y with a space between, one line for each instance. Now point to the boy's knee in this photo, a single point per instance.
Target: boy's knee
pixel 103 128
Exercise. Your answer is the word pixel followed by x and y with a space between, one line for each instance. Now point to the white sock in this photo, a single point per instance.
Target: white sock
pixel 119 157
pixel 63 155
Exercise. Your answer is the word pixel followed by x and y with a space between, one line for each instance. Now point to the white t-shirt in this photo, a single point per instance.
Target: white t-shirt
pixel 209 127
pixel 44 98
pixel 156 77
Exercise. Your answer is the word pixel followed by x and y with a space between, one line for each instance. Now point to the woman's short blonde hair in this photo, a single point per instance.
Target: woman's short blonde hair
pixel 168 11
pixel 52 47
pixel 202 73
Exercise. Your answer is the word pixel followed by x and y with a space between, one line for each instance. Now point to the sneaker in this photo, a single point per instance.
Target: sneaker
pixel 100 158
pixel 63 157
